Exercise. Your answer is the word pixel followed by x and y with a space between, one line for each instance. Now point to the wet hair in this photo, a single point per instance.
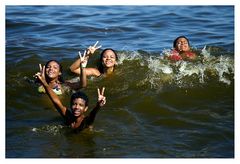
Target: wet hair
pixel 60 78
pixel 100 65
pixel 175 41
pixel 80 95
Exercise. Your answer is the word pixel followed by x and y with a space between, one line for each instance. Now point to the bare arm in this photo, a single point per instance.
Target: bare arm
pixel 87 72
pixel 83 60
pixel 75 67
pixel 90 50
pixel 53 97
pixel 101 102
pixel 83 64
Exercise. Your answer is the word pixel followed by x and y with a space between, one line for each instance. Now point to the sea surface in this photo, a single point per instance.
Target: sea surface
pixel 155 108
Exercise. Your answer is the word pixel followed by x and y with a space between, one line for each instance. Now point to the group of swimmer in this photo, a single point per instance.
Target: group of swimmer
pixel 52 83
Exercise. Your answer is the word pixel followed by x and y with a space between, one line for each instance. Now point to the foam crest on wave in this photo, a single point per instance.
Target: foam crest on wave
pixel 161 71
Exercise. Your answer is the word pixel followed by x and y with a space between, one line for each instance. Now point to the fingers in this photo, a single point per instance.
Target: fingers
pixel 37 75
pixel 84 54
pixel 101 97
pixel 80 55
pixel 40 67
pixel 43 70
pixel 98 92
pixel 98 47
pixel 103 101
pixel 101 93
pixel 95 44
pixel 103 89
pixel 40 74
pixel 83 59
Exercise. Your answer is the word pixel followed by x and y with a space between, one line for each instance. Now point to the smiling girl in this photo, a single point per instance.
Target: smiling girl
pixel 107 63
pixel 53 76
pixel 182 50
pixel 75 115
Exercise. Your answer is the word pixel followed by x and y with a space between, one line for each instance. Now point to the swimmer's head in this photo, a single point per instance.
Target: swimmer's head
pixel 53 70
pixel 181 44
pixel 108 59
pixel 79 103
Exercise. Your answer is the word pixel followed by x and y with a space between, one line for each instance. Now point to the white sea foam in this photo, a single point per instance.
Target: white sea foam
pixel 161 71
pixel 51 129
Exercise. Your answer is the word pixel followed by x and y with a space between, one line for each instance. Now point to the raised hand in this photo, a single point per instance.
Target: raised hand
pixel 41 74
pixel 92 49
pixel 83 59
pixel 101 97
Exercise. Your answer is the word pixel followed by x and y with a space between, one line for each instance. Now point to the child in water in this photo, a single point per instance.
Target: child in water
pixel 182 50
pixel 53 75
pixel 74 117
pixel 107 63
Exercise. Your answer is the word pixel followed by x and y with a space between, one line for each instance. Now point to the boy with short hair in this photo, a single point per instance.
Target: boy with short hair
pixel 78 106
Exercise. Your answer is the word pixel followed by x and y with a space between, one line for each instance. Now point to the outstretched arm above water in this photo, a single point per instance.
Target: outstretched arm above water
pixel 100 103
pixel 83 64
pixel 53 97
pixel 90 50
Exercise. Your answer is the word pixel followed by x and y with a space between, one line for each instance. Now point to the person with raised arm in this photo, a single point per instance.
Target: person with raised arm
pixel 53 77
pixel 74 116
pixel 107 63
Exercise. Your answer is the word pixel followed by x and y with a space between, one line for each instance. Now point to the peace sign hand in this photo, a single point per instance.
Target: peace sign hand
pixel 101 97
pixel 83 59
pixel 41 74
pixel 92 49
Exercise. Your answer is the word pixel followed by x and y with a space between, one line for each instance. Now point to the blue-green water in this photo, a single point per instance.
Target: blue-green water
pixel 155 108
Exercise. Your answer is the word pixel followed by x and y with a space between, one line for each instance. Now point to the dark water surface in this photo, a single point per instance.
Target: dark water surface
pixel 155 108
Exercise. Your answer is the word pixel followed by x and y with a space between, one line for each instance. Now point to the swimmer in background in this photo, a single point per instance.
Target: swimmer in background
pixel 182 50
pixel 53 76
pixel 107 63
pixel 74 117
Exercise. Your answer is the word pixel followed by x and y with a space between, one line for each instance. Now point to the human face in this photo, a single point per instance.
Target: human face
pixel 78 107
pixel 182 45
pixel 109 59
pixel 53 70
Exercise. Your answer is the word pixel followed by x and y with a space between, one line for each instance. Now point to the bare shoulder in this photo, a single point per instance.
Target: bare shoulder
pixel 92 72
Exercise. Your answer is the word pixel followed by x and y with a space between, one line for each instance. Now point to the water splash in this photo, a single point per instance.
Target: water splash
pixel 50 129
pixel 161 71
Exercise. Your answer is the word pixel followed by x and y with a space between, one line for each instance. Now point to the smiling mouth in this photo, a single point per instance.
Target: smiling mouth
pixel 77 112
pixel 109 62
pixel 50 73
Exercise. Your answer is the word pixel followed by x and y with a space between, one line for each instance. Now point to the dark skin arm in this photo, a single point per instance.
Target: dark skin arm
pixel 63 110
pixel 53 97
pixel 101 102
pixel 75 66
pixel 83 64
pixel 86 122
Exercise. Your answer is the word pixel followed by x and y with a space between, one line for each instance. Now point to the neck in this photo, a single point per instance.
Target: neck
pixel 52 82
pixel 108 70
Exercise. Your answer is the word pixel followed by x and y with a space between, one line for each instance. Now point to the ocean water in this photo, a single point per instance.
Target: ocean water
pixel 155 108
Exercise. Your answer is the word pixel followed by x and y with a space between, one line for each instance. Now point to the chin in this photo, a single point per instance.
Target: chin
pixel 77 114
pixel 109 66
pixel 51 77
